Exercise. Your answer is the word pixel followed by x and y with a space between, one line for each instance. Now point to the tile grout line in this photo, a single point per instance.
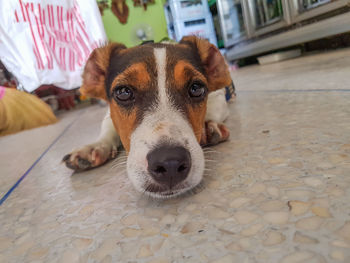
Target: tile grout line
pixel 2 200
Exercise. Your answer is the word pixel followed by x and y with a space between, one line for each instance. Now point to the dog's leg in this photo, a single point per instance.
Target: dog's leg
pixel 95 154
pixel 214 130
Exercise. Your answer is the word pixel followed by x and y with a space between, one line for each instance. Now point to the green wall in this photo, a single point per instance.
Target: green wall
pixel 154 16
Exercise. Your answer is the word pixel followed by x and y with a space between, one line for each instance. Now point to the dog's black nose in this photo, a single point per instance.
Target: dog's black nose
pixel 169 165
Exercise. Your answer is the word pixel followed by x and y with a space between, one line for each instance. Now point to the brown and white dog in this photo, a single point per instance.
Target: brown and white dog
pixel 165 100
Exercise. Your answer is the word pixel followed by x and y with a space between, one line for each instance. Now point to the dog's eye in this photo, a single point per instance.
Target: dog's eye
pixel 197 90
pixel 123 94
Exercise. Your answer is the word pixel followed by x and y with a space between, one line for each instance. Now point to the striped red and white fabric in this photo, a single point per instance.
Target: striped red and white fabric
pixel 49 41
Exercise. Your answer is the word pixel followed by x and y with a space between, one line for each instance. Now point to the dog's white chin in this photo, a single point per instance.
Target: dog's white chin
pixel 167 194
pixel 183 188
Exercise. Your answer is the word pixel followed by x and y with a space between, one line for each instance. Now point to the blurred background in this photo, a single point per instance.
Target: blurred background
pixel 44 44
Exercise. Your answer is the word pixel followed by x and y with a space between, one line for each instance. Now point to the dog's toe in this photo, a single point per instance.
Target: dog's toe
pixel 75 162
pixel 83 164
pixel 66 157
pixel 100 155
pixel 70 165
pixel 225 133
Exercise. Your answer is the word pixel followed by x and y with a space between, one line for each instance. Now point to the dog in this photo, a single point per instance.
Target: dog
pixel 165 102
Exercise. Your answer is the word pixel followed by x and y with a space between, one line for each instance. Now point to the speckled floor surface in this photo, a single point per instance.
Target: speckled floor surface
pixel 278 191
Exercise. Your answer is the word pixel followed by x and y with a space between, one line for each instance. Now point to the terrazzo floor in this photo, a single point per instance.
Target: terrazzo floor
pixel 278 191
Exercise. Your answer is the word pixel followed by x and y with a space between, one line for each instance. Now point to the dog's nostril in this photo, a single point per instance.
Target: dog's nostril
pixel 160 169
pixel 181 168
pixel 169 165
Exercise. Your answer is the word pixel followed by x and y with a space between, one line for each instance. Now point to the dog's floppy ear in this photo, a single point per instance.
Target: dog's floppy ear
pixel 95 71
pixel 214 63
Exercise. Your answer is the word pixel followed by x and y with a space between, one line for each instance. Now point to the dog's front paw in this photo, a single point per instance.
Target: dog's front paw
pixel 214 133
pixel 90 156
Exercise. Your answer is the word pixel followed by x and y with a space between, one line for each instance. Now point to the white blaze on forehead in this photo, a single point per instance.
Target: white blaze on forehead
pixel 160 55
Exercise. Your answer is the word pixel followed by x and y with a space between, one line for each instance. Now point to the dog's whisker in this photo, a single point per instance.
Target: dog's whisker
pixel 118 169
pixel 123 162
pixel 119 160
pixel 113 168
pixel 118 164
pixel 211 155
pixel 211 152
pixel 210 149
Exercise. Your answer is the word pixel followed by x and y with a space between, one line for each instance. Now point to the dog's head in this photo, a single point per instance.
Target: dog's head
pixel 157 95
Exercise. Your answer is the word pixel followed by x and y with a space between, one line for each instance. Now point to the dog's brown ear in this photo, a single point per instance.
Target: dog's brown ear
pixel 214 63
pixel 95 71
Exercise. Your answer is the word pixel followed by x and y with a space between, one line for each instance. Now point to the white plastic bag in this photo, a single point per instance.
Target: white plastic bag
pixel 49 41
